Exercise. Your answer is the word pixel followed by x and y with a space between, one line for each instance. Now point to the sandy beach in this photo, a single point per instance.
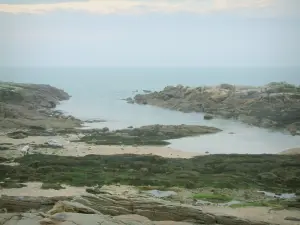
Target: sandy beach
pixel 80 149
pixel 34 189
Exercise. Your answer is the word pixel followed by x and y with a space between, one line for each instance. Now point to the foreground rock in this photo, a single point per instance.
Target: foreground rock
pixel 276 105
pixel 31 106
pixel 89 210
pixel 146 135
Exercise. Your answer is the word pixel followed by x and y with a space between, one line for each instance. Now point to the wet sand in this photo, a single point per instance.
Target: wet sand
pixel 257 213
pixel 33 189
pixel 80 149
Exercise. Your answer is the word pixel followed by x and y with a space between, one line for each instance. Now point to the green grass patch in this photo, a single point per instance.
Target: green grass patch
pixel 212 197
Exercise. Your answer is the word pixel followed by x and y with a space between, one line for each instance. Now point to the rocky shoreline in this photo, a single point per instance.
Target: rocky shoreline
pixel 275 105
pixel 32 106
pixel 117 170
pixel 130 206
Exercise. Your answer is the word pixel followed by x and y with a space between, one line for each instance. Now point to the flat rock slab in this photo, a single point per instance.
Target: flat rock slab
pixel 93 209
pixel 81 219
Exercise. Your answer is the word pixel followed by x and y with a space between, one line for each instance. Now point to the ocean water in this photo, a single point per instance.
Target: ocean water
pixel 97 93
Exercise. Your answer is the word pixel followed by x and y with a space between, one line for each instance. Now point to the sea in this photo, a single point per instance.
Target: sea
pixel 97 93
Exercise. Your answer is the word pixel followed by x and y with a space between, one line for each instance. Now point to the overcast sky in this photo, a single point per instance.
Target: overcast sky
pixel 150 33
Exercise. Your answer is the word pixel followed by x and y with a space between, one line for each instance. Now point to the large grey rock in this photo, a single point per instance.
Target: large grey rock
pixel 276 105
pixel 90 210
pixel 80 219
pixel 157 209
pixel 23 203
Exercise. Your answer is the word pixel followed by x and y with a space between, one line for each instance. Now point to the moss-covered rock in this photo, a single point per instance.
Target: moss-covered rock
pixel 11 184
pixel 146 135
pixel 54 186
pixel 18 135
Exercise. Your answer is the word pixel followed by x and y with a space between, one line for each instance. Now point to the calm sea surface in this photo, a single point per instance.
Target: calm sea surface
pixel 97 93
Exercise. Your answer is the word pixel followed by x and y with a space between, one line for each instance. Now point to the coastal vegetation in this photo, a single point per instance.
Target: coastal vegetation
pixel 277 173
pixel 146 135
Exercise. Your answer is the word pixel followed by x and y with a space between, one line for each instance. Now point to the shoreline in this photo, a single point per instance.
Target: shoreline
pixel 250 105
pixel 76 158
pixel 80 149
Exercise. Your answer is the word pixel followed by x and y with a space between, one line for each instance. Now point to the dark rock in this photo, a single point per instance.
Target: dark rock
pixel 11 184
pixel 146 135
pixel 95 190
pixel 18 135
pixel 94 121
pixel 105 129
pixel 208 117
pixel 227 86
pixel 52 186
pixel 292 219
pixel 129 100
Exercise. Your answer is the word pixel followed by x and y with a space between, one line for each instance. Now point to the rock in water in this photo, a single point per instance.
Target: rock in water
pixel 208 117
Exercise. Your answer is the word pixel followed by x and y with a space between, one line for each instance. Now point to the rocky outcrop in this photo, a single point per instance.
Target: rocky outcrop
pixel 24 204
pixel 26 105
pixel 32 95
pixel 78 219
pixel 125 210
pixel 146 135
pixel 276 105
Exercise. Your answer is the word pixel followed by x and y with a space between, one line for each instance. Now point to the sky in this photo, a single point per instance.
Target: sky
pixel 149 33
